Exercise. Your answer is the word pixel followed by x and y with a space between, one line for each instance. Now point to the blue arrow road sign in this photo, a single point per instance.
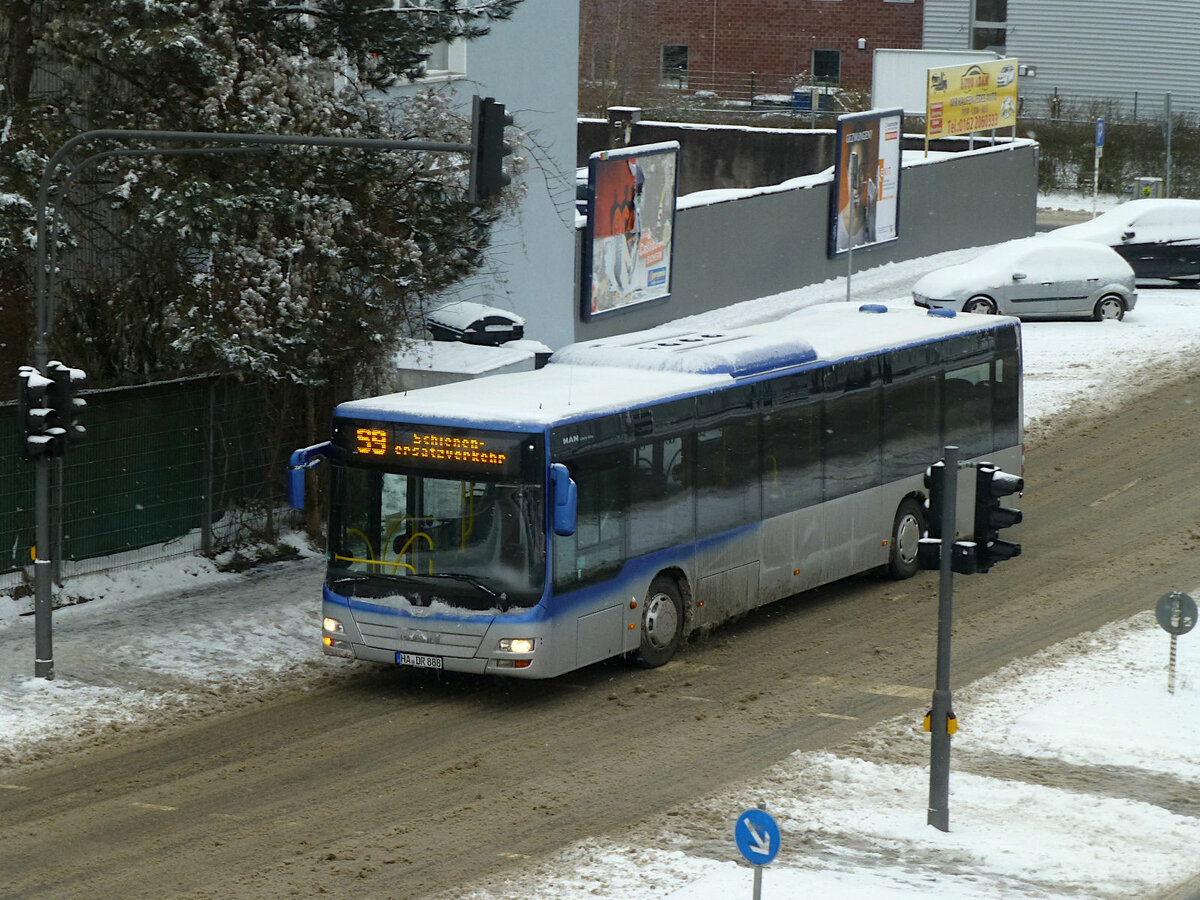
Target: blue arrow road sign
pixel 757 836
pixel 1099 133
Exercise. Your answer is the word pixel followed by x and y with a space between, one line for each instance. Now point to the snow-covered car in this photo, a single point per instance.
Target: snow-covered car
pixel 1036 277
pixel 1159 238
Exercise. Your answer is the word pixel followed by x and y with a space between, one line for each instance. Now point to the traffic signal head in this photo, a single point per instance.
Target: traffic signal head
pixel 935 481
pixel 488 120
pixel 68 408
pixel 40 434
pixel 990 485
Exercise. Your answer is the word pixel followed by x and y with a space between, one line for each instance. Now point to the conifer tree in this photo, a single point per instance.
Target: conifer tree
pixel 302 266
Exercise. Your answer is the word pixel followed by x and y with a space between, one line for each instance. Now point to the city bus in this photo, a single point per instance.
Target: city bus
pixel 637 488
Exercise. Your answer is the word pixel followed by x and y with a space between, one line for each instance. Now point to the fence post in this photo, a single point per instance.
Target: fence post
pixel 206 523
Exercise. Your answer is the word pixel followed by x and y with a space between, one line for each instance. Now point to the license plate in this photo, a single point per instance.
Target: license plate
pixel 419 661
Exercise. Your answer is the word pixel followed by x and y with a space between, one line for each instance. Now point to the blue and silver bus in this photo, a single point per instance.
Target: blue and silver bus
pixel 640 487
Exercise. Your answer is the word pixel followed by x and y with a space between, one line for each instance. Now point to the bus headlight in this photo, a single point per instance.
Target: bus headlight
pixel 516 645
pixel 332 625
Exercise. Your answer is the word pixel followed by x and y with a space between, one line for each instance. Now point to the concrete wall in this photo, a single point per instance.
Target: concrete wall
pixel 774 240
pixel 719 156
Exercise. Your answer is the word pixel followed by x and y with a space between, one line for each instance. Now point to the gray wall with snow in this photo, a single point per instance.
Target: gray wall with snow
pixel 741 245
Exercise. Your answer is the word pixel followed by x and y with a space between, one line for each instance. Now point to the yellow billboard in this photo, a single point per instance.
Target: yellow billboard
pixel 975 97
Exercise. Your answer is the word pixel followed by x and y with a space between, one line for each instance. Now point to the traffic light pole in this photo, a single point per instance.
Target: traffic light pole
pixel 939 719
pixel 43 651
pixel 43 269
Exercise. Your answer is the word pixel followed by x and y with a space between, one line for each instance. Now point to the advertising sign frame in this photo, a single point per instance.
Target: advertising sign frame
pixel 628 243
pixel 867 211
pixel 981 96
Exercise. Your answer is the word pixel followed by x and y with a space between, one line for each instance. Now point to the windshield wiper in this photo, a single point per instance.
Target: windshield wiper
pixel 501 598
pixel 348 579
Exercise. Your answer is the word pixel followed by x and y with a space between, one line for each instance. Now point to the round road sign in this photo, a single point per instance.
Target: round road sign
pixel 1176 613
pixel 757 836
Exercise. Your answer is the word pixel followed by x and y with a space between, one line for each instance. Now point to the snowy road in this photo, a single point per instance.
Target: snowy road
pixel 281 773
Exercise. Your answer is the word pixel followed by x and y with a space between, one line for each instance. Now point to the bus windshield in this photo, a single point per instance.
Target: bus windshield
pixel 470 544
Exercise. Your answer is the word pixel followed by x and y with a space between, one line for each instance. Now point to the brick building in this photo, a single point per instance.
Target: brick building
pixel 716 45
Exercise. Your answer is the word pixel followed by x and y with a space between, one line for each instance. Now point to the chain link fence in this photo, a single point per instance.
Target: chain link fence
pixel 662 92
pixel 168 469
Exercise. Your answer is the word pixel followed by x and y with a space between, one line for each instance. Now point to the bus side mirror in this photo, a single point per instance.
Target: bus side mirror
pixel 564 496
pixel 300 461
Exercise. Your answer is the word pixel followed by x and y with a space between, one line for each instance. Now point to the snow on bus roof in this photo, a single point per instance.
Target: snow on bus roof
pixel 609 374
pixel 827 331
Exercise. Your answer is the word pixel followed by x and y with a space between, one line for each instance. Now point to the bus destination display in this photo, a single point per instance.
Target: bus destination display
pixel 430 449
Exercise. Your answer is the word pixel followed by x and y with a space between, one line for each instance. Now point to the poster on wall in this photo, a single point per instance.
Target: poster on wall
pixel 864 207
pixel 628 240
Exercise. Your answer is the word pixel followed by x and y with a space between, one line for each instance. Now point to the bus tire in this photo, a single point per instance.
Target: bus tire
pixel 907 530
pixel 662 623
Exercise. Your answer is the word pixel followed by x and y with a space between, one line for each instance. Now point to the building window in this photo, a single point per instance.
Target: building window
pixel 827 66
pixel 447 59
pixel 675 65
pixel 989 21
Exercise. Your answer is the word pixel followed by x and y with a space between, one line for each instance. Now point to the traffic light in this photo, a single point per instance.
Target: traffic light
pixel 67 406
pixel 929 549
pixel 488 120
pixel 48 409
pixel 990 485
pixel 40 434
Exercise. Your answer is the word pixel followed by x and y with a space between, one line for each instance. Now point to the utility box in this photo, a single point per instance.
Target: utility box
pixel 1147 187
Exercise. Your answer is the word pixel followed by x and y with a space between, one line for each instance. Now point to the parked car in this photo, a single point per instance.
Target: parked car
pixel 1036 277
pixel 1159 238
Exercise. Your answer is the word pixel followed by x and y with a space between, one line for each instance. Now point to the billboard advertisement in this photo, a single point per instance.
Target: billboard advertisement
pixel 864 204
pixel 975 97
pixel 627 243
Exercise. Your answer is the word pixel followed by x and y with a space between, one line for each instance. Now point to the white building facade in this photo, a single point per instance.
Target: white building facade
pixel 1127 52
pixel 530 63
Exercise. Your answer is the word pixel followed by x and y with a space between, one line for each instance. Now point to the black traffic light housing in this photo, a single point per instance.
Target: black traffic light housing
pixel 48 409
pixel 963 554
pixel 488 120
pixel 40 435
pixel 990 485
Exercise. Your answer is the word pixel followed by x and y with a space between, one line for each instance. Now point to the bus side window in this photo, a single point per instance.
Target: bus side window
pixel 791 459
pixel 911 426
pixel 851 444
pixel 727 490
pixel 661 507
pixel 1006 400
pixel 597 548
pixel 968 408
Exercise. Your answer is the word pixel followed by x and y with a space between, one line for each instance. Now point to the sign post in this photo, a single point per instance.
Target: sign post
pixel 1176 613
pixel 757 836
pixel 1096 163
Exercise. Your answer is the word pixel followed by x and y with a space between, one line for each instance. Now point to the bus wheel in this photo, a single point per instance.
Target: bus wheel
pixel 907 530
pixel 662 623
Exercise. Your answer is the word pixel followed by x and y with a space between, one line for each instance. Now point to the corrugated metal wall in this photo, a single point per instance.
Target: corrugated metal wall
pixel 1127 52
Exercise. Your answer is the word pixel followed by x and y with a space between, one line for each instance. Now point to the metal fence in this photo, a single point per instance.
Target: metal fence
pixel 167 470
pixel 763 92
